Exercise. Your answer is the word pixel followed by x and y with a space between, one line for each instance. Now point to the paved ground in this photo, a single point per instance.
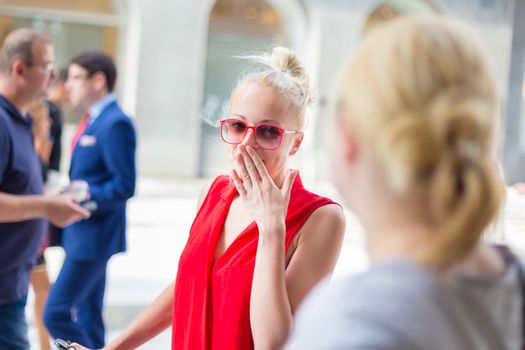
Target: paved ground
pixel 159 220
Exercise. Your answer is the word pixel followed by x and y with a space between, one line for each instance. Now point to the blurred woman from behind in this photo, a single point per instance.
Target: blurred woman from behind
pixel 414 160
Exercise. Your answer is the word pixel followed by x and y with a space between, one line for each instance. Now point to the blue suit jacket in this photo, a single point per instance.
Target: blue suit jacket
pixel 105 158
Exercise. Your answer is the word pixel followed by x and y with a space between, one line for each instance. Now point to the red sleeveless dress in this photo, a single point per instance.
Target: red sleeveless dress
pixel 211 306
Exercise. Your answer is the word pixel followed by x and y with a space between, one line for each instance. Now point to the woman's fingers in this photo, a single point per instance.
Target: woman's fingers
pixel 242 171
pixel 288 183
pixel 239 185
pixel 250 167
pixel 258 163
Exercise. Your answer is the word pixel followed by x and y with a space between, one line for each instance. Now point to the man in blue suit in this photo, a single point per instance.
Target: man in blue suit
pixel 103 155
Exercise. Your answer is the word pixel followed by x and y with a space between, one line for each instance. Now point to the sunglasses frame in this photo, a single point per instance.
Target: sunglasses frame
pixel 254 127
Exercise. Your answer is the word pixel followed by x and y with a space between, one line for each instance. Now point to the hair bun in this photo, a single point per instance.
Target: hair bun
pixel 286 61
pixel 286 75
pixel 462 123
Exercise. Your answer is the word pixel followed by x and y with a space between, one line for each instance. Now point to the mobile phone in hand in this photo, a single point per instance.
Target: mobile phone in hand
pixel 63 344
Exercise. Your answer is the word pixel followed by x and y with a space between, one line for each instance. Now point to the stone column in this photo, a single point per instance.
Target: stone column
pixel 338 26
pixel 170 67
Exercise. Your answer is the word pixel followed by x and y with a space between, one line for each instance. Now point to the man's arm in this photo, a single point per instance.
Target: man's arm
pixel 60 210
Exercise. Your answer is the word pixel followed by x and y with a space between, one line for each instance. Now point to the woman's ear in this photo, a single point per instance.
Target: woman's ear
pixel 296 144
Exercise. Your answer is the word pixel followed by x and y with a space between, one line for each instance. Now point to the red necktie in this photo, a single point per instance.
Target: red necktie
pixel 80 130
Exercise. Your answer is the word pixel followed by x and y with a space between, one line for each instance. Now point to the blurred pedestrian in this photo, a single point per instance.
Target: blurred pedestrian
pixel 47 128
pixel 39 278
pixel 26 70
pixel 103 159
pixel 57 99
pixel 414 159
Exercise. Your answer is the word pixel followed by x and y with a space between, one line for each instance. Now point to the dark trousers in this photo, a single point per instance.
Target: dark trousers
pixel 74 307
pixel 13 326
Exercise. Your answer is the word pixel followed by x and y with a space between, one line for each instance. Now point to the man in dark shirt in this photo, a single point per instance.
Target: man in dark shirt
pixel 26 70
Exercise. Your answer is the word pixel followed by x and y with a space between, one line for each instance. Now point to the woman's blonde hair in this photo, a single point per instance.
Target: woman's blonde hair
pixel 285 74
pixel 420 96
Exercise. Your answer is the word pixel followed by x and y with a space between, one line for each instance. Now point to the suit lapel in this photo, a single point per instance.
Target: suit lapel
pixel 92 128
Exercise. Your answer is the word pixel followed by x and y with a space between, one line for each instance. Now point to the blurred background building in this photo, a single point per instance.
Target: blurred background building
pixel 178 61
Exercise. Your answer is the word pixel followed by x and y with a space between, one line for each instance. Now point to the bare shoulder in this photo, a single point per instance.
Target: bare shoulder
pixel 330 212
pixel 326 222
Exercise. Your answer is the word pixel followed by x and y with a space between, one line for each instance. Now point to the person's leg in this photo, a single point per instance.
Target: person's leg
pixel 89 312
pixel 13 326
pixel 41 285
pixel 75 283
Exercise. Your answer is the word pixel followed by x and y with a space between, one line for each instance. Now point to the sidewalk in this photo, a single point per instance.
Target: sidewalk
pixel 159 218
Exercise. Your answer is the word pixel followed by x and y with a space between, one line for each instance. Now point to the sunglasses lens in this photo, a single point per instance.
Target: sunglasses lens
pixel 268 136
pixel 233 130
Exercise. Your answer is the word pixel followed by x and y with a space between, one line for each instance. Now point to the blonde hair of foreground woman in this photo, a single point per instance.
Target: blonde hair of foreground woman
pixel 420 99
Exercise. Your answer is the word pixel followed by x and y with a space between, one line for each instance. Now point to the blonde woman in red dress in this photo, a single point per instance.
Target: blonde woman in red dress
pixel 260 241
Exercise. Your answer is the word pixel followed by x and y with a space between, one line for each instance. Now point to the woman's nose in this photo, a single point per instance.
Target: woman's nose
pixel 249 138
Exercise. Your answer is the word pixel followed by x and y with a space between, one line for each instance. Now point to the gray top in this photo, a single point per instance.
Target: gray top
pixel 400 305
